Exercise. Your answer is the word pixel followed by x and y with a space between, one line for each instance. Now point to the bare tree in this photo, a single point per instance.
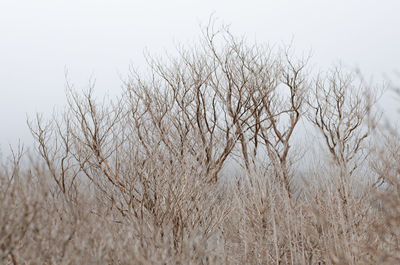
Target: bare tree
pixel 281 94
pixel 201 103
pixel 341 104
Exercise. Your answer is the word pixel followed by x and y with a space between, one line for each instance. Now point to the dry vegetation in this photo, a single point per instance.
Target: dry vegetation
pixel 146 178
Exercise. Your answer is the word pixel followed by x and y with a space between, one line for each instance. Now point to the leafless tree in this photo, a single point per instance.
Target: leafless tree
pixel 283 114
pixel 201 103
pixel 341 106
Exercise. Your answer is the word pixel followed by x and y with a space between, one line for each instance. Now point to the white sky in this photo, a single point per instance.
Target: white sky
pixel 39 38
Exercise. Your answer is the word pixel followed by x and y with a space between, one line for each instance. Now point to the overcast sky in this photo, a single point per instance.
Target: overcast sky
pixel 40 38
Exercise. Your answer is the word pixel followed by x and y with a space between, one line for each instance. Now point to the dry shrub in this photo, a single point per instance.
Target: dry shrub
pixel 145 178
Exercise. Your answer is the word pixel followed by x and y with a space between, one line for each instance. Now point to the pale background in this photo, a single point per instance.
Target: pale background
pixel 40 38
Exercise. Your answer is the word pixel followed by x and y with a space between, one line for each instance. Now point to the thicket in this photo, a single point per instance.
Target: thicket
pixel 196 163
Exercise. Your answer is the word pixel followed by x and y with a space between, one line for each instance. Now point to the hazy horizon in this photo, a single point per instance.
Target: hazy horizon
pixel 100 39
